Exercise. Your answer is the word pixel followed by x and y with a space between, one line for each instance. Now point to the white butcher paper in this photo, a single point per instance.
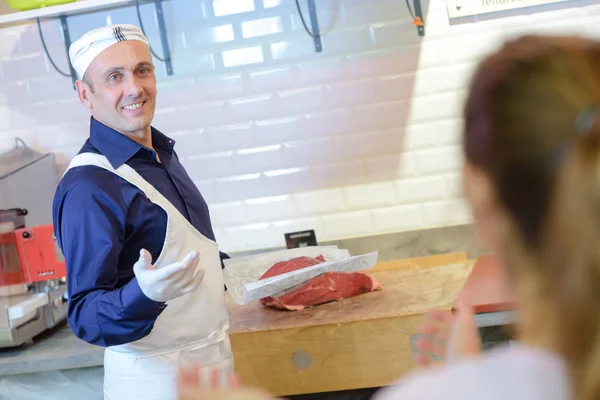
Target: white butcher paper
pixel 254 289
pixel 242 270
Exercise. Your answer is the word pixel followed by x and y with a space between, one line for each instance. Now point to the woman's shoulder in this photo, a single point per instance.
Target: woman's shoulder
pixel 514 372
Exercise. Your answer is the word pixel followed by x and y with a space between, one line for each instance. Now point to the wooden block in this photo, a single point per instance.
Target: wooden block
pixel 421 262
pixel 363 341
pixel 326 358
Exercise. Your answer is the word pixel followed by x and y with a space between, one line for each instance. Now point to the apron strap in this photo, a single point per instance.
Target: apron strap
pixel 124 171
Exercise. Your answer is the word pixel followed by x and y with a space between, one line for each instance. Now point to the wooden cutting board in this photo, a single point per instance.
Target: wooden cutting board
pixel 354 343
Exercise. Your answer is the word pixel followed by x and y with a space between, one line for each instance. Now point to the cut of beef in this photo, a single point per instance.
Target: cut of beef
pixel 328 287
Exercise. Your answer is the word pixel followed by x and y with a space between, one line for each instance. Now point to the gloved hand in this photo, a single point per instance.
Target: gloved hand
pixel 168 282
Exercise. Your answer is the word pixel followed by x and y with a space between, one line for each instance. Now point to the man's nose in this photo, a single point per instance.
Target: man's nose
pixel 133 86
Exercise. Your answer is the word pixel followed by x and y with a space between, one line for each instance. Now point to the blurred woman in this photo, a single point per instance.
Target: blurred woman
pixel 532 179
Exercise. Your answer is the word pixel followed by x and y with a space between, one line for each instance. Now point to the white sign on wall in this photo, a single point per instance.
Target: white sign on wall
pixel 466 8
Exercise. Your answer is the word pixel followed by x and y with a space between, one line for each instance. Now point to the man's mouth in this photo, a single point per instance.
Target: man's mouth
pixel 134 106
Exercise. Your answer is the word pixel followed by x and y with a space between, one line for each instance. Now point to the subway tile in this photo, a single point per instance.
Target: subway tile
pixel 347 41
pixel 173 93
pixel 218 87
pixel 329 123
pixel 369 196
pixel 12 41
pixel 280 228
pixel 269 208
pixel 394 34
pixel 454 185
pixel 262 27
pixel 16 94
pixel 189 143
pixel 326 70
pixel 338 174
pixel 348 225
pixel 257 159
pixel 441 106
pixel 287 181
pixel 382 115
pixel 272 3
pixel 203 36
pixel 278 130
pixel 329 16
pixel 207 189
pixel 193 116
pixel 252 108
pixel 415 190
pixel 292 48
pixel 184 13
pixel 384 62
pixel 366 144
pixel 420 136
pixel 447 212
pixel 398 218
pixel 243 56
pixel 357 13
pixel 431 55
pixel 228 214
pixel 229 7
pixel 24 67
pixel 453 77
pixel 238 187
pixel 220 238
pixel 52 113
pixel 319 202
pixel 229 137
pixel 274 78
pixel 212 165
pixel 383 168
pixel 249 237
pixel 310 152
pixel 394 88
pixel 443 159
pixel 300 101
pixel 349 93
pixel 450 131
pixel 191 65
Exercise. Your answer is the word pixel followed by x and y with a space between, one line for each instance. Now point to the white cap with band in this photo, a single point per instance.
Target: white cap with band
pixel 83 51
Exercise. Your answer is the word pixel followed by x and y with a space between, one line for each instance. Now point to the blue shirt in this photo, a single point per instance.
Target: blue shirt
pixel 102 221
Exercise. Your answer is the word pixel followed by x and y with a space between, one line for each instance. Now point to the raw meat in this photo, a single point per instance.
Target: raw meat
pixel 328 287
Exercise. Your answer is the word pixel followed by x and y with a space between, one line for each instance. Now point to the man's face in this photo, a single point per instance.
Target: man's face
pixel 120 88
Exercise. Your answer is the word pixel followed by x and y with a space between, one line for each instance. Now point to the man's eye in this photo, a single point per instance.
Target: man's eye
pixel 113 77
pixel 143 71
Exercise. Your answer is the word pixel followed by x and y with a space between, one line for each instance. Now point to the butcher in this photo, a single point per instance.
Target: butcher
pixel 144 273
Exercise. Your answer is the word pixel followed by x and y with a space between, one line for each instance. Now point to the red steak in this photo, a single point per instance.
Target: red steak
pixel 328 287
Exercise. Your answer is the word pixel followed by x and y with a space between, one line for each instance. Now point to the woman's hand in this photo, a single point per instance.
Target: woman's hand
pixel 448 336
pixel 190 386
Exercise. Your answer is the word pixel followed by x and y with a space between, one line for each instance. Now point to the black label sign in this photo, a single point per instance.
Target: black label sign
pixel 300 239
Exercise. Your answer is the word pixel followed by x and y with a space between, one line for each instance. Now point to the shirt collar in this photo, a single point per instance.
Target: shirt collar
pixel 118 148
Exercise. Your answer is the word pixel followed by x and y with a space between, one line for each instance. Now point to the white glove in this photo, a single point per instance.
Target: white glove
pixel 168 282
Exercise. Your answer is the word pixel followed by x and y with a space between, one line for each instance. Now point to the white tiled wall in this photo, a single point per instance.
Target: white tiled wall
pixel 361 139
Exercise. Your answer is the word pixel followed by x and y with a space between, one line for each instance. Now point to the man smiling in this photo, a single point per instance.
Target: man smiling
pixel 143 269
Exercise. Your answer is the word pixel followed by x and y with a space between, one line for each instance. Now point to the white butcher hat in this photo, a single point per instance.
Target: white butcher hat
pixel 83 51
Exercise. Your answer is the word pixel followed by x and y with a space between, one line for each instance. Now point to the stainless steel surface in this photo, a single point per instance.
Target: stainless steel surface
pixel 499 318
pixel 23 164
pixel 54 349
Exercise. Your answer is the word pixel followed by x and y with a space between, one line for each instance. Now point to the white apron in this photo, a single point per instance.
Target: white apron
pixel 192 329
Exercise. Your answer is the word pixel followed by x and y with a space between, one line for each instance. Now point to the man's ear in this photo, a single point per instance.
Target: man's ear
pixel 83 92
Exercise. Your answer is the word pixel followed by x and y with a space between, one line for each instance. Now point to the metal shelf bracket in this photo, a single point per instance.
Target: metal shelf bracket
pixel 314 22
pixel 419 15
pixel 67 41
